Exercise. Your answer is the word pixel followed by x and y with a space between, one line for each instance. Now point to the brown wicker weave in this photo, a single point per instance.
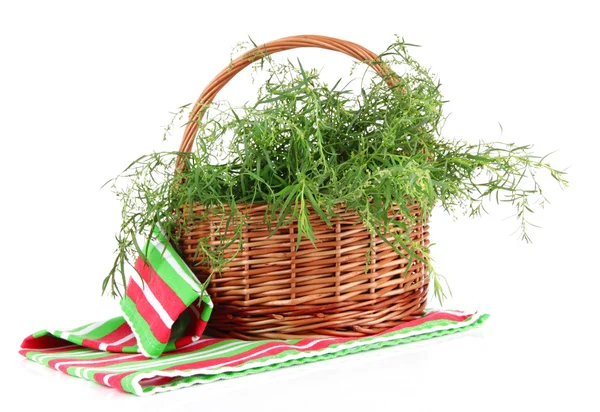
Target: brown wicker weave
pixel 271 289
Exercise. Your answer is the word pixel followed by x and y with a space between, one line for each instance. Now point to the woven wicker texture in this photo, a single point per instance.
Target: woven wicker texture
pixel 274 289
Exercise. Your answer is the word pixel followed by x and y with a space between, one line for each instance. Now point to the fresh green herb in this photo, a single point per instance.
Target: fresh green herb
pixel 303 145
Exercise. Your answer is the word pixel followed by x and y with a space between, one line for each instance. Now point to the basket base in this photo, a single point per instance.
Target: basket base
pixel 309 321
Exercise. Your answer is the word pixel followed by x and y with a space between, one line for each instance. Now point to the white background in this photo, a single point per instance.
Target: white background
pixel 85 87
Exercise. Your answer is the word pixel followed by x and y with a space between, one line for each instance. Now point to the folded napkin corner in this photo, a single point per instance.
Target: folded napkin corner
pixel 164 302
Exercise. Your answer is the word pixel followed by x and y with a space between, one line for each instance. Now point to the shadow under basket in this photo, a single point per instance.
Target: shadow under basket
pixel 272 289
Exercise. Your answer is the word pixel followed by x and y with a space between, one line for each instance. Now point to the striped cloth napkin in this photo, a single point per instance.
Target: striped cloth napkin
pixel 164 293
pixel 157 345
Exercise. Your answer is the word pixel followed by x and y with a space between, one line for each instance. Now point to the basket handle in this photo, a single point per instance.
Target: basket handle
pixel 287 43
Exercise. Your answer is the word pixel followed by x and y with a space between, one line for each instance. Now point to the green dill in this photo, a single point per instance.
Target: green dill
pixel 305 146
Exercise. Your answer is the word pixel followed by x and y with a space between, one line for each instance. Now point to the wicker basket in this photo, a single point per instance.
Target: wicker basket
pixel 272 289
